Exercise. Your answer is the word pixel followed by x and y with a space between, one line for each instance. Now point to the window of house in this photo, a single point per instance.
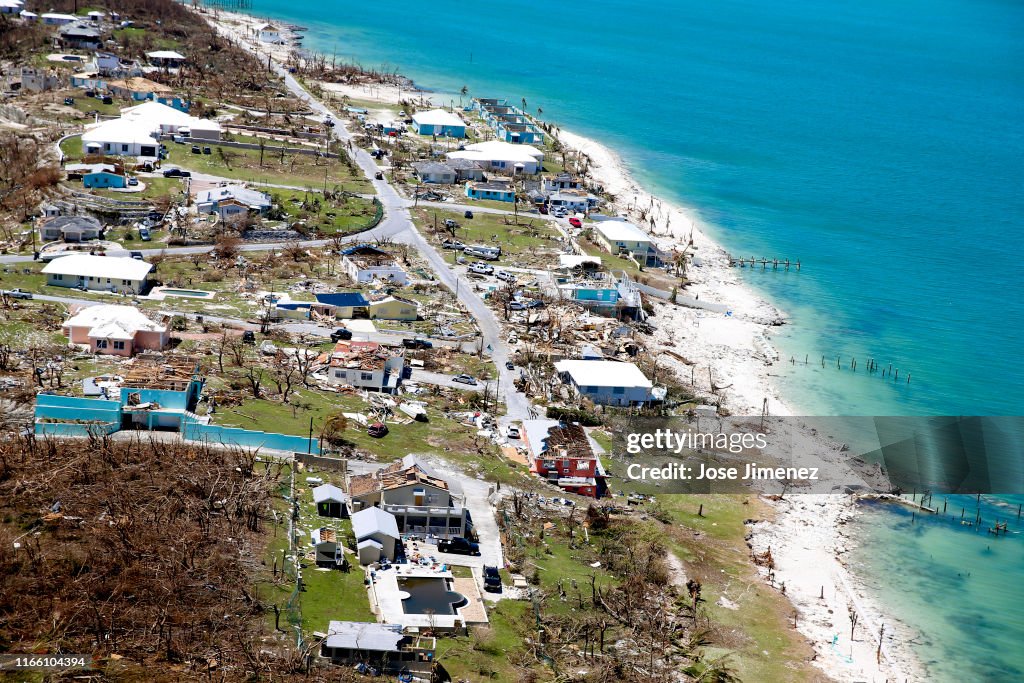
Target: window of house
pixel 367 376
pixel 339 373
pixel 124 148
pixel 58 276
pixel 619 390
pixel 119 346
pixel 101 343
pixel 125 282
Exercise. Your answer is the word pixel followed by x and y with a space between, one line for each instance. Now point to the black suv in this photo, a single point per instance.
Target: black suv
pixel 458 545
pixel 492 579
pixel 416 344
pixel 341 334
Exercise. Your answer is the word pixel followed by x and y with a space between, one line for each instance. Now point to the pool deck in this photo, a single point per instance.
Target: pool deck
pixel 161 293
pixel 386 598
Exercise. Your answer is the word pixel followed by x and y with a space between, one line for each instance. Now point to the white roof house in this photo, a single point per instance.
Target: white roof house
pixel 608 382
pixel 165 119
pixel 372 521
pixel 165 54
pixel 367 636
pixel 120 137
pixel 88 265
pixel 621 231
pixel 117 330
pixel 207 200
pixel 499 155
pixel 127 319
pixel 328 493
pixel 11 6
pixel 437 117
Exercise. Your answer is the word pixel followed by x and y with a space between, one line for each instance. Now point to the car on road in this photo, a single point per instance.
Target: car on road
pixel 144 234
pixel 18 293
pixel 492 579
pixel 378 176
pixel 575 222
pixel 176 173
pixel 481 268
pixel 377 430
pixel 509 365
pixel 341 334
pixel 464 379
pixel 507 277
pixel 417 344
pixel 133 181
pixel 458 545
pixel 468 214
pixel 453 244
pixel 559 212
pixel 137 255
pixel 512 432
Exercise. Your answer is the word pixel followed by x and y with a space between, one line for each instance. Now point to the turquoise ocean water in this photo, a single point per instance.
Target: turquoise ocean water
pixel 880 142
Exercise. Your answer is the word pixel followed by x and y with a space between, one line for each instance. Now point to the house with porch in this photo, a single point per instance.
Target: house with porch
pixel 564 455
pixel 502 157
pixel 344 305
pixel 608 382
pixel 367 365
pixel 393 308
pixel 99 273
pixel 330 501
pixel 377 535
pixel 166 59
pixel 422 501
pixel 496 190
pixel 71 229
pixel 115 330
pixel 384 647
pixel 267 33
pixel 366 263
pixel 80 36
pixel 231 201
pixel 435 172
pixel 619 237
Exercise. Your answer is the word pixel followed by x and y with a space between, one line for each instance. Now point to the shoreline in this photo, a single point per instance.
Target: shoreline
pixel 806 535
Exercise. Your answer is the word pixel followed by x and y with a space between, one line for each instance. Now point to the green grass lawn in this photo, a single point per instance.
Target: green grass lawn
pixel 301 170
pixel 479 659
pixel 530 243
pixel 155 186
pixel 72 147
pixel 328 216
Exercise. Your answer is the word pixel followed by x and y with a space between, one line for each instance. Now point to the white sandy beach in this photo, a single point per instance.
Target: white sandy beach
pixel 806 537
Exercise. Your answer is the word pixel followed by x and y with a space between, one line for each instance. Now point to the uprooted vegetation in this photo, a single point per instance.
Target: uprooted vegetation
pixel 142 553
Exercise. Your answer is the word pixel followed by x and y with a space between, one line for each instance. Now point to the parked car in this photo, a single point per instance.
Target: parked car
pixel 69 101
pixel 137 255
pixel 107 99
pixel 196 149
pixel 449 223
pixel 468 214
pixel 452 244
pixel 516 306
pixel 507 277
pixel 575 222
pixel 512 432
pixel 249 337
pixel 481 268
pixel 207 150
pixel 464 379
pixel 377 430
pixel 176 173
pixel 492 579
pixel 18 293
pixel 341 334
pixel 133 181
pixel 509 365
pixel 179 139
pixel 144 234
pixel 458 545
pixel 417 344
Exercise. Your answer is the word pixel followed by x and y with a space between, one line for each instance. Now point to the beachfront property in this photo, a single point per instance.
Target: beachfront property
pixel 622 237
pixel 502 157
pixel 367 365
pixel 608 382
pixel 440 123
pixel 115 330
pixel 604 295
pixel 71 229
pixel 99 273
pixel 435 172
pixel 330 501
pixel 267 33
pixel 382 646
pixel 560 182
pixel 497 190
pixel 509 123
pixel 421 501
pixel 366 263
pixel 377 535
pixel 564 455
pixel 230 201
pixel 576 201
pixel 166 59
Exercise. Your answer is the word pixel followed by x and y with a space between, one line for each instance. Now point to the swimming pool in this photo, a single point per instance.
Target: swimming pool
pixel 193 293
pixel 429 595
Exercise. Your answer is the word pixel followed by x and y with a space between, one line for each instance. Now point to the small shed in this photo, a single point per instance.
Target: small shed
pixel 330 501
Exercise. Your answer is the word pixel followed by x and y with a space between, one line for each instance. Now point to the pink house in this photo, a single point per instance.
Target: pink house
pixel 115 330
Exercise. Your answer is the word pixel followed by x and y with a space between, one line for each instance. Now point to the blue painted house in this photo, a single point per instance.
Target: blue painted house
pixel 440 123
pixel 104 179
pixel 345 305
pixel 493 189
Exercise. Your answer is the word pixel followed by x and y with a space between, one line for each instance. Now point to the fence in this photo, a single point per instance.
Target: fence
pixel 269 149
pixel 234 436
pixel 76 428
pixel 93 410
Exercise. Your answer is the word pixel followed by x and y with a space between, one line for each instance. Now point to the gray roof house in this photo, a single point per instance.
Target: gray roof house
pixel 435 172
pixel 71 229
pixel 376 533
pixel 382 646
pixel 466 169
pixel 330 501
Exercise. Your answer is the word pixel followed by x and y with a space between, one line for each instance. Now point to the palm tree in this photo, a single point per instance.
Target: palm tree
pixel 524 104
pixel 462 93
